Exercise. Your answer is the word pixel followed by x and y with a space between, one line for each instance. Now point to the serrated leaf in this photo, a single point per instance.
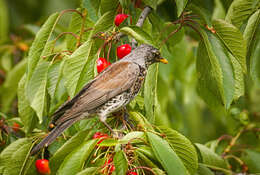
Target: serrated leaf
pixel 164 153
pixel 181 4
pixel 216 75
pixel 79 67
pixel 15 157
pixel 204 14
pixel 26 113
pixel 65 149
pixel 150 93
pixel 137 33
pixel 39 44
pixel 151 3
pixel 54 77
pixel 74 162
pixel 37 89
pixel 251 34
pixel 240 10
pixel 120 162
pixel 210 158
pixel 183 148
pixel 233 40
pixel 10 85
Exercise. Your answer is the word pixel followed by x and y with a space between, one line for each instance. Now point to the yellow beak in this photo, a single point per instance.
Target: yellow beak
pixel 163 60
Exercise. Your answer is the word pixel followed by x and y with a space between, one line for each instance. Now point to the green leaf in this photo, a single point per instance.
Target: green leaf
pixel 216 72
pixel 137 33
pixel 151 3
pixel 88 171
pixel 204 14
pixel 240 10
pixel 181 4
pixel 140 120
pixel 164 153
pixel 15 158
pixel 183 148
pixel 92 7
pixel 150 93
pixel 26 113
pixel 39 44
pixel 251 159
pixel 37 89
pixel 4 22
pixel 251 34
pixel 74 162
pixel 109 142
pixel 73 143
pixel 54 77
pixel 233 40
pixel 210 158
pixel 10 85
pixel 132 137
pixel 145 159
pixel 79 67
pixel 108 5
pixel 203 170
pixel 120 162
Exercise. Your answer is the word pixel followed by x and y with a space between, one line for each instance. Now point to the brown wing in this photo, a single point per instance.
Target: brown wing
pixel 118 78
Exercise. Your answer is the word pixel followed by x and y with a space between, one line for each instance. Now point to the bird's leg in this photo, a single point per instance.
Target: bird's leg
pixel 103 120
pixel 126 120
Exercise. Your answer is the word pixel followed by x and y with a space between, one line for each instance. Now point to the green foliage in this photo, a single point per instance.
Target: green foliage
pixel 208 91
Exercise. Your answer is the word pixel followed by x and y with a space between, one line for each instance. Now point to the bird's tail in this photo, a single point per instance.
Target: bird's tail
pixel 52 135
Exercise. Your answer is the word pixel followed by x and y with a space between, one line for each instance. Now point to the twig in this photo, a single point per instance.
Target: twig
pixel 140 22
pixel 232 142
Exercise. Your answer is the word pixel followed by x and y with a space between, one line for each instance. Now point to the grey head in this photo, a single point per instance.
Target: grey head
pixel 145 55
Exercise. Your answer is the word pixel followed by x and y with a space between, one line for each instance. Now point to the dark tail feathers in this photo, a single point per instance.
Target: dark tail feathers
pixel 52 136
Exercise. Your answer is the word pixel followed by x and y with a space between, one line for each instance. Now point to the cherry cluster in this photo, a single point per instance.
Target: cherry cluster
pixel 121 51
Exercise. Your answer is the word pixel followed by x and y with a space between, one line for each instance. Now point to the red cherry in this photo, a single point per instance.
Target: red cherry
pixel 42 166
pixel 112 168
pixel 102 64
pixel 120 18
pixel 101 136
pixel 132 173
pixel 123 50
pixel 16 127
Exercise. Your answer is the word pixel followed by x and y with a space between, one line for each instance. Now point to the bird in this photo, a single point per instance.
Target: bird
pixel 108 92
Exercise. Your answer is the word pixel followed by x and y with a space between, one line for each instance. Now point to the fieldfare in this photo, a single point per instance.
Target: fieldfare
pixel 108 92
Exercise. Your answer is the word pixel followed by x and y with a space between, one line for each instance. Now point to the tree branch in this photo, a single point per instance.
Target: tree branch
pixel 140 22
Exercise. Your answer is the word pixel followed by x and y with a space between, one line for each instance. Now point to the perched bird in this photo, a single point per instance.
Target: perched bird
pixel 108 92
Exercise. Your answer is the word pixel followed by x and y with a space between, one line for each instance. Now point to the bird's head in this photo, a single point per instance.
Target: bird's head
pixel 145 55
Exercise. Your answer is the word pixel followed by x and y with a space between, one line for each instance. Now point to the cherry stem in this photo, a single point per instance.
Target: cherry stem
pixel 109 49
pixel 232 143
pixel 62 34
pixel 84 14
pixel 142 167
pixel 235 158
